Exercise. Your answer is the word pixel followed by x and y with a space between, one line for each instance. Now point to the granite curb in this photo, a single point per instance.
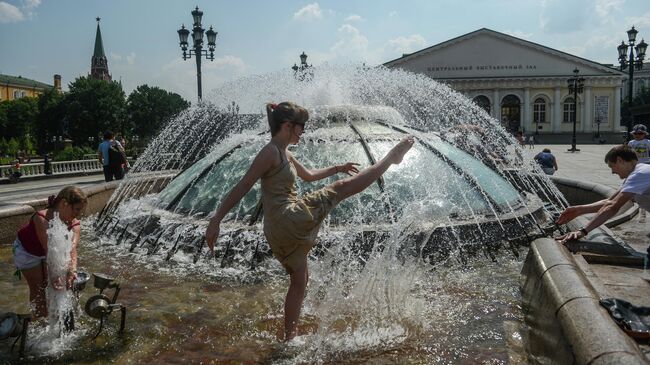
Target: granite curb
pixel 16 214
pixel 592 335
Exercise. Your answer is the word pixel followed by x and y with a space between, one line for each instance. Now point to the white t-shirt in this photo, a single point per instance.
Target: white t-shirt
pixel 642 149
pixel 638 183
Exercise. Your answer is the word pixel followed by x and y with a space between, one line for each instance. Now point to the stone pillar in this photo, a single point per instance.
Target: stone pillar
pixel 556 122
pixel 587 111
pixel 526 119
pixel 496 107
pixel 617 109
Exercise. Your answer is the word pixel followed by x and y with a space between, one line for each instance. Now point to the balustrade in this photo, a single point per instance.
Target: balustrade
pixel 58 168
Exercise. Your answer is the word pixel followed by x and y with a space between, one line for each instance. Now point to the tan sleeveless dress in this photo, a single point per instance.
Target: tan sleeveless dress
pixel 291 224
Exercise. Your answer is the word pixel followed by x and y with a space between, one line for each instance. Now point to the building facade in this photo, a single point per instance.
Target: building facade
pixel 16 87
pixel 523 84
pixel 641 80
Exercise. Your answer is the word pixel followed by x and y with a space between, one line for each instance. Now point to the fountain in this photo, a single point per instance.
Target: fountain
pixel 423 264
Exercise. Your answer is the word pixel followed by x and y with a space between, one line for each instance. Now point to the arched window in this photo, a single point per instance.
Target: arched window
pixel 23 94
pixel 569 110
pixel 483 102
pixel 539 111
pixel 17 94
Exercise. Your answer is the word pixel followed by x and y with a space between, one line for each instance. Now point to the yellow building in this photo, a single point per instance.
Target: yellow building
pixel 16 87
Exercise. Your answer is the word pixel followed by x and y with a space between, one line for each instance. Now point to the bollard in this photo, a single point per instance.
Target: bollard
pixel 47 168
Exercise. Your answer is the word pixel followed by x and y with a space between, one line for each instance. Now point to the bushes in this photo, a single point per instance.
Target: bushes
pixel 73 153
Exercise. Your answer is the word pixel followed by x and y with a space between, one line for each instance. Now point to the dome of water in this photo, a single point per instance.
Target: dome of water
pixel 455 185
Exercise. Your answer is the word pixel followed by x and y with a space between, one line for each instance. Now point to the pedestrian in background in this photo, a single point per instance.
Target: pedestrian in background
pixel 111 155
pixel 546 161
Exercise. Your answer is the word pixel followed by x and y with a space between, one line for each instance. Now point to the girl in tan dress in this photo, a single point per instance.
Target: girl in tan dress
pixel 291 223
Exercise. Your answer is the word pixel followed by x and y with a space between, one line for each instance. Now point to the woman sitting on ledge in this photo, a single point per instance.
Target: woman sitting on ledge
pixel 30 247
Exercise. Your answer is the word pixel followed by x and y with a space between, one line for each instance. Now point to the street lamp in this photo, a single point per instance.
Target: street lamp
pixel 631 64
pixel 303 71
pixel 197 49
pixel 576 84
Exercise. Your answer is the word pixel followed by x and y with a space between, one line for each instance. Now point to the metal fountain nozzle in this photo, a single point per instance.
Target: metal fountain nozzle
pixel 15 325
pixel 100 306
pixel 103 281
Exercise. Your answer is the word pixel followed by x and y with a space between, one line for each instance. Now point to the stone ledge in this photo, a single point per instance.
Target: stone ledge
pixel 16 214
pixel 591 334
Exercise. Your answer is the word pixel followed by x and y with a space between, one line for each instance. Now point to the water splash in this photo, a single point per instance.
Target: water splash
pixel 362 299
pixel 56 336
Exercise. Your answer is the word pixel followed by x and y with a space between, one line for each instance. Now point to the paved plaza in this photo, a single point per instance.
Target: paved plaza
pixel 26 190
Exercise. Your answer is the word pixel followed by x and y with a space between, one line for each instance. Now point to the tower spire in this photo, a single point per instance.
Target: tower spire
pixel 99 63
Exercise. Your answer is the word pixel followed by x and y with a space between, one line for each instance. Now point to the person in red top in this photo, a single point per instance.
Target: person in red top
pixel 30 246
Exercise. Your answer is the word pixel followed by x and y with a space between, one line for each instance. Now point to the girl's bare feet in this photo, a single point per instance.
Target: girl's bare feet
pixel 396 154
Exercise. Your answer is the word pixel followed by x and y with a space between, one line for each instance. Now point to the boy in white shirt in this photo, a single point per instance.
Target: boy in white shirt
pixel 641 145
pixel 636 186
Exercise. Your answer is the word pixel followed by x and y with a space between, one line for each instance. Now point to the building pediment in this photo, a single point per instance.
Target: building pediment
pixel 489 54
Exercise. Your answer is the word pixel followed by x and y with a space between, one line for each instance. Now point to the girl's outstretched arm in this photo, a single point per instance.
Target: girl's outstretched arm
pixel 317 174
pixel 261 164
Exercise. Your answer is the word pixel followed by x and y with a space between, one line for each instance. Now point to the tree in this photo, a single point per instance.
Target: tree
pixel 641 98
pixel 93 106
pixel 17 117
pixel 49 122
pixel 149 108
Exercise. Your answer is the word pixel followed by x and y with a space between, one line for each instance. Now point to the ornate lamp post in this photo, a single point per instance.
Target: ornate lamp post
pixel 576 84
pixel 303 71
pixel 631 64
pixel 197 49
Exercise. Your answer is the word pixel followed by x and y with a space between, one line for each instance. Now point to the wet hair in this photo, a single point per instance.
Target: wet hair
pixel 108 135
pixel 71 194
pixel 622 151
pixel 547 150
pixel 285 112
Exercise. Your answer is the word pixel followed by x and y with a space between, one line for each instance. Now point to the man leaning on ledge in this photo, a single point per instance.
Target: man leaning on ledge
pixel 636 186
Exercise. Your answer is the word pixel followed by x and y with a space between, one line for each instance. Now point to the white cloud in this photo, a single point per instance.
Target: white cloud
pixel 180 76
pixel 115 56
pixel 10 13
pixel 130 58
pixel 309 12
pixel 354 18
pixel 640 22
pixel 604 8
pixel 408 44
pixel 392 14
pixel 518 34
pixel 351 42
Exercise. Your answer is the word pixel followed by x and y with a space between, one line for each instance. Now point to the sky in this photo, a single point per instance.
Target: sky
pixel 40 38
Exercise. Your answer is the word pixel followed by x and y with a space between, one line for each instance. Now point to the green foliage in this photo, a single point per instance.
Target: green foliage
pixel 50 119
pixel 642 98
pixel 17 117
pixel 149 108
pixel 72 153
pixel 12 147
pixel 94 106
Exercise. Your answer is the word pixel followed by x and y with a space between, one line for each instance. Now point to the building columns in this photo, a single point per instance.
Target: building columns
pixel 556 122
pixel 617 109
pixel 587 118
pixel 526 120
pixel 497 106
